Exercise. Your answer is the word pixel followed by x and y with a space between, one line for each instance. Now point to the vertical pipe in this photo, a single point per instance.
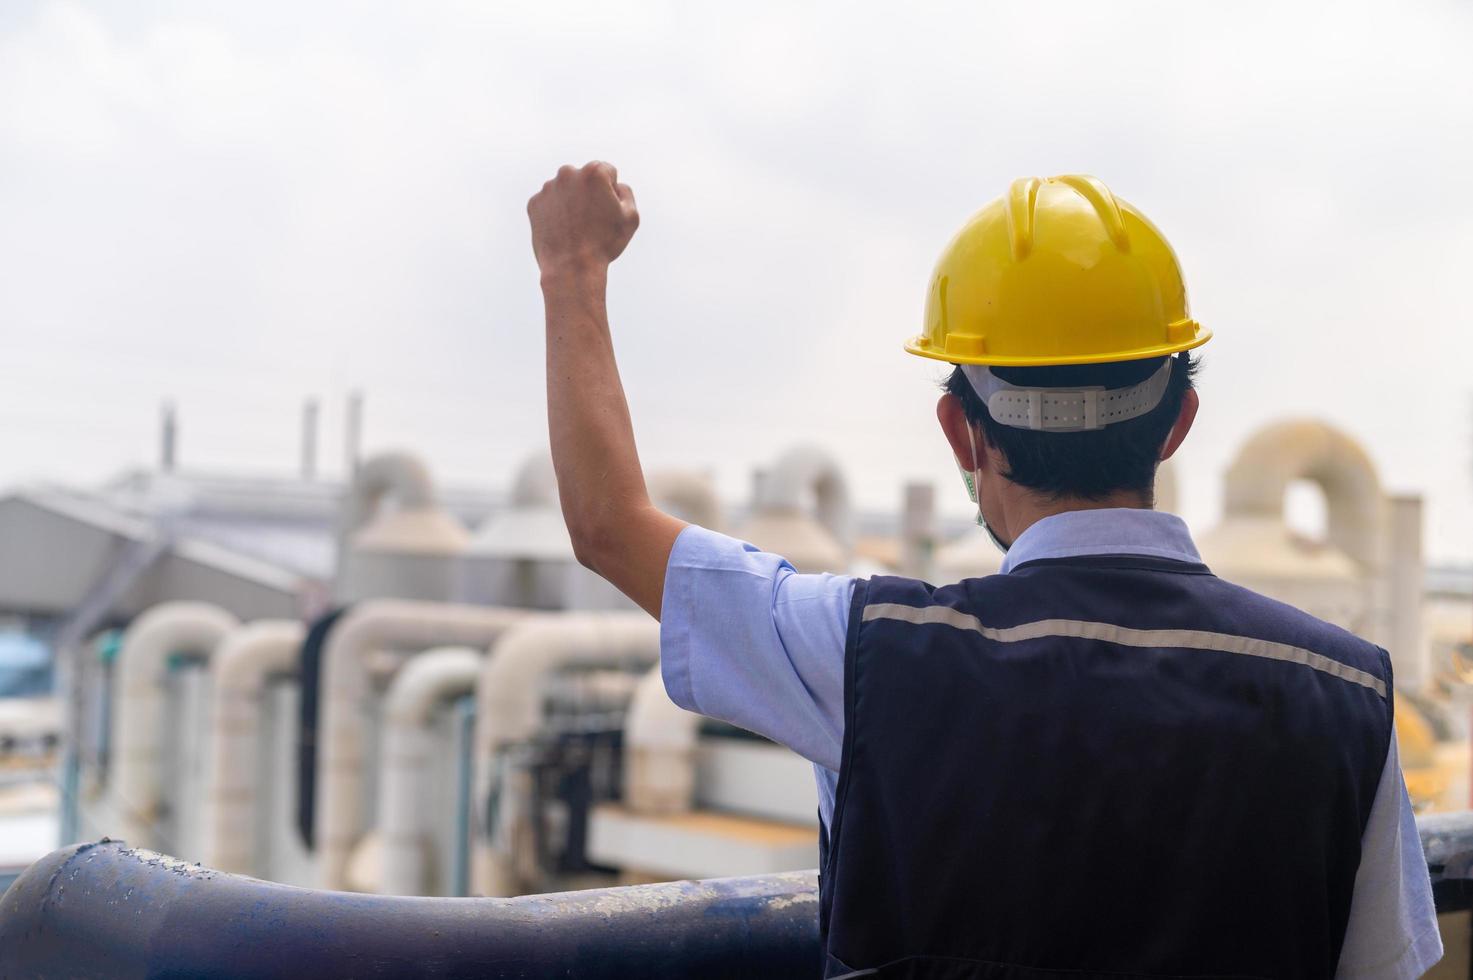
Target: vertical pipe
pixel 759 490
pixel 353 436
pixel 918 530
pixel 169 439
pixel 240 667
pixel 659 751
pixel 309 440
pixel 408 749
pixel 342 742
pixel 465 740
pixel 509 713
pixel 1404 578
pixel 186 781
pixel 136 788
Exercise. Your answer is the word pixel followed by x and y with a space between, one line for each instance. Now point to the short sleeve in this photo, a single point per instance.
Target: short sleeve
pixel 1392 934
pixel 748 640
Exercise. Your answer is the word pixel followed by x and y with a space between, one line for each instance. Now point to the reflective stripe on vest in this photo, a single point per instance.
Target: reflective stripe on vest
pixel 1125 636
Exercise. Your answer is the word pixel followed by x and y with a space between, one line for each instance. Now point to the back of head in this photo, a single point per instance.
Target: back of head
pixel 1089 464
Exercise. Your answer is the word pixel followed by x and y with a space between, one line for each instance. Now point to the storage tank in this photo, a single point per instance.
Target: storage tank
pixel 523 557
pixel 1333 579
pixel 397 541
pixel 801 511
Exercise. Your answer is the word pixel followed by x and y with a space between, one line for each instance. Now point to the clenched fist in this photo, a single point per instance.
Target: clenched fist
pixel 581 219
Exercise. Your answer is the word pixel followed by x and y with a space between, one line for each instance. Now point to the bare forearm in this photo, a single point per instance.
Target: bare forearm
pixel 593 447
pixel 616 530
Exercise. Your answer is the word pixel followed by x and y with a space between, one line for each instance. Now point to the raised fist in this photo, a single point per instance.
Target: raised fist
pixel 581 219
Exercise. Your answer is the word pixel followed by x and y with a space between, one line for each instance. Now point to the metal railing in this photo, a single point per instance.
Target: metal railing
pixel 106 909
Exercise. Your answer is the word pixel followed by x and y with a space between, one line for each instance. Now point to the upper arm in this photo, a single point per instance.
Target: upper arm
pixel 1392 930
pixel 633 554
pixel 748 640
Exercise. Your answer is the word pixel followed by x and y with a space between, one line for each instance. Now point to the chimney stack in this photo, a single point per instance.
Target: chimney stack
pixel 354 433
pixel 309 440
pixel 918 530
pixel 169 439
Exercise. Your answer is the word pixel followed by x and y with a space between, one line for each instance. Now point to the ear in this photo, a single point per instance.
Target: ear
pixel 1184 419
pixel 954 424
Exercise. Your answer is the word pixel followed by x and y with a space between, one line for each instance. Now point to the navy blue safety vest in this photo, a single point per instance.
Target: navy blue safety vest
pixel 1107 767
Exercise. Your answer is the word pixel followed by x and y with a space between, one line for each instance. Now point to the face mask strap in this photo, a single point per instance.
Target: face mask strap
pixel 973 479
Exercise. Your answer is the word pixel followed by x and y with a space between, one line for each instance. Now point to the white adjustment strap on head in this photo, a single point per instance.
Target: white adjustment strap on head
pixel 1066 409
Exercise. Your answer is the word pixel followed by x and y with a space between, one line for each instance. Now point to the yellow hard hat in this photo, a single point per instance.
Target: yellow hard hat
pixel 1057 271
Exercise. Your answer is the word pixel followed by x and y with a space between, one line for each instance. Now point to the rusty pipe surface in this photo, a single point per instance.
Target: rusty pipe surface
pixel 109 910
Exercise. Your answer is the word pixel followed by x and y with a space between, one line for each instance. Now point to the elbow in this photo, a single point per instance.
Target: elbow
pixel 590 542
pixel 602 535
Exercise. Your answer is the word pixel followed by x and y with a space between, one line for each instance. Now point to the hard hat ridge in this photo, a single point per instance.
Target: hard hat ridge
pixel 1022 199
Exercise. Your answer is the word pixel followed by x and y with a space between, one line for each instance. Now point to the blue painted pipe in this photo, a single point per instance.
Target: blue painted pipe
pixel 109 910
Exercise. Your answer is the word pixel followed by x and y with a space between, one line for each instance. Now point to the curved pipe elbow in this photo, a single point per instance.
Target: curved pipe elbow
pixel 1281 454
pixel 659 746
pixel 806 469
pixel 427 680
pixel 239 669
pixel 508 706
pixel 382 624
pixel 138 721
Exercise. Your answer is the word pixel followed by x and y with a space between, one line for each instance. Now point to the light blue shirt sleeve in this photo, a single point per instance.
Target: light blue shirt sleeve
pixel 748 640
pixel 1392 934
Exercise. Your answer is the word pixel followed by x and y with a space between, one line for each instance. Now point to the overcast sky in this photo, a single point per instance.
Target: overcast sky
pixel 238 205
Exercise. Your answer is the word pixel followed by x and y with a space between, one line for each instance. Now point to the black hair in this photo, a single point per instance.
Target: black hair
pixel 1089 465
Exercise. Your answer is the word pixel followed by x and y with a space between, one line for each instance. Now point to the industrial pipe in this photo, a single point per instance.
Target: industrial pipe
pixel 109 910
pixel 239 671
pixel 1405 587
pixel 689 496
pixel 398 476
pixel 380 624
pixel 779 524
pixel 428 680
pixel 659 751
pixel 193 628
pixel 1280 454
pixel 808 468
pixel 412 549
pixel 509 710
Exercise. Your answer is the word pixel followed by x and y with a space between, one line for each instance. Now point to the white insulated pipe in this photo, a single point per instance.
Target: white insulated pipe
pixel 426 681
pixel 803 469
pixel 509 711
pixel 239 669
pixel 690 496
pixel 1405 584
pixel 398 476
pixel 1279 454
pixel 138 719
pixel 378 624
pixel 659 751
